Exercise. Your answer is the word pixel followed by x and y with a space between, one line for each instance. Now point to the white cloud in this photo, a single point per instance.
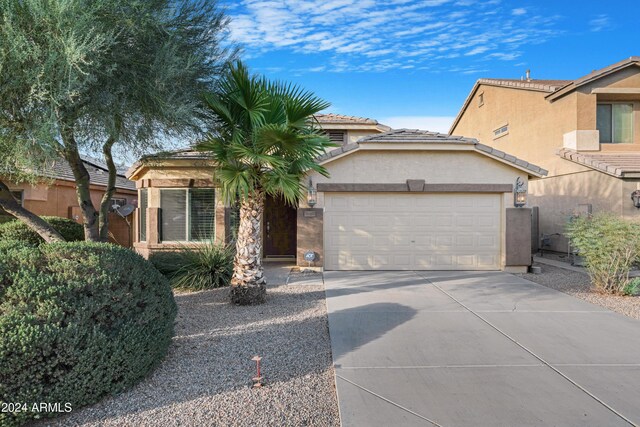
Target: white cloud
pixel 600 23
pixel 368 35
pixel 433 123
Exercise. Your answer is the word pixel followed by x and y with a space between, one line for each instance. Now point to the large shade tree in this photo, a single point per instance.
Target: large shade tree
pixel 264 141
pixel 97 76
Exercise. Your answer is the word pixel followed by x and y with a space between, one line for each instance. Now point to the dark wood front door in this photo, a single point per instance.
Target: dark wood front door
pixel 279 228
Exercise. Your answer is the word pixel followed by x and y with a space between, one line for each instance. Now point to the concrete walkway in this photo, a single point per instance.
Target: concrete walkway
pixel 477 349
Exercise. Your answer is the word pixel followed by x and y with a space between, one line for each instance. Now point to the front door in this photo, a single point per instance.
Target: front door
pixel 279 229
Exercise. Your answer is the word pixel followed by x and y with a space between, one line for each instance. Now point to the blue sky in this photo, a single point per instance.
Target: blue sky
pixel 412 63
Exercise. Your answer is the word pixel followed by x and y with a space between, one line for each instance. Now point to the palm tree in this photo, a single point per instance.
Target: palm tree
pixel 264 140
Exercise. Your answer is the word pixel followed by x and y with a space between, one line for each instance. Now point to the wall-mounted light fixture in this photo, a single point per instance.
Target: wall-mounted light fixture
pixel 519 194
pixel 312 195
pixel 635 196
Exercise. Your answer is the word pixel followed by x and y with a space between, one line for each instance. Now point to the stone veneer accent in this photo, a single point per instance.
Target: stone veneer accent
pixel 310 236
pixel 518 237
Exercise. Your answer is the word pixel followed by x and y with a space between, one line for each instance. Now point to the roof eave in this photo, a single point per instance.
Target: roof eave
pixel 614 68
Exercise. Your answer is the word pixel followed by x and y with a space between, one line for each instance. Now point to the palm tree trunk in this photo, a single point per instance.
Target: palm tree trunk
pixel 33 221
pixel 248 284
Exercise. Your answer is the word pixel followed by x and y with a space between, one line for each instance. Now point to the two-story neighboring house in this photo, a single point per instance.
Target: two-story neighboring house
pixel 585 132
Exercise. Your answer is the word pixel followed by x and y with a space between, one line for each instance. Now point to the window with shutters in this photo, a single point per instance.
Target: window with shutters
pixel 188 215
pixel 337 137
pixel 142 217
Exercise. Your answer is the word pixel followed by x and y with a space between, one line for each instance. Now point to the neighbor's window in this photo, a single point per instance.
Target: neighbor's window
pixel 337 137
pixel 142 217
pixel 188 215
pixel 501 131
pixel 615 123
pixel 117 201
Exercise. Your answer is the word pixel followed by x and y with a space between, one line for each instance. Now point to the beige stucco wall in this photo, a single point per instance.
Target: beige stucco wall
pixel 536 129
pixel 59 198
pixel 353 135
pixel 435 167
pixel 171 174
pixel 560 197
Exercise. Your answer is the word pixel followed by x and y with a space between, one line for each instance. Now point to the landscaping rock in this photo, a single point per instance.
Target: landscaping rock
pixel 579 285
pixel 206 377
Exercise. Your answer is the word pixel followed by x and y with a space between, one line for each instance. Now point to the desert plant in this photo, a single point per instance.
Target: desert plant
pixel 70 230
pixel 633 287
pixel 610 246
pixel 206 266
pixel 78 321
pixel 264 141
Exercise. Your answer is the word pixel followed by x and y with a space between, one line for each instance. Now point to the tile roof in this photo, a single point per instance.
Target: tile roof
pixel 618 164
pixel 98 173
pixel 417 136
pixel 532 84
pixel 186 153
pixel 342 119
pixel 594 75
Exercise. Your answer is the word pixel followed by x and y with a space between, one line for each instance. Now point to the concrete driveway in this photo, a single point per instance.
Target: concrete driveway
pixel 477 349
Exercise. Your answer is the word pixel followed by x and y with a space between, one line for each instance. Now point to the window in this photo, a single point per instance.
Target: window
pixel 481 99
pixel 142 217
pixel 187 214
pixel 501 131
pixel 337 137
pixel 117 201
pixel 615 123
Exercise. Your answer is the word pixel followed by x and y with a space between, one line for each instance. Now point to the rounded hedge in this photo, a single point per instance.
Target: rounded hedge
pixel 70 230
pixel 78 321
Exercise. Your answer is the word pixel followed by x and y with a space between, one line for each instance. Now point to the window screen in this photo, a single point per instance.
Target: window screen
pixel 173 205
pixel 615 123
pixel 142 223
pixel 623 123
pixel 202 213
pixel 603 122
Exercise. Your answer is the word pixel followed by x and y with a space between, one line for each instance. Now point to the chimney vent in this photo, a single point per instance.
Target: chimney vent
pixel 528 75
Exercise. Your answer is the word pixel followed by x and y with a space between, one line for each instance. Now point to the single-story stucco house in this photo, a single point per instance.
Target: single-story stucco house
pixel 397 200
pixel 55 195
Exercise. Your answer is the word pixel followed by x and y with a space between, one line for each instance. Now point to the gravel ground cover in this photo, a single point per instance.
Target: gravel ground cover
pixel 579 285
pixel 205 380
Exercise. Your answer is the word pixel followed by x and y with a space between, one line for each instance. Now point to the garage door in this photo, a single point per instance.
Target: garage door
pixel 405 231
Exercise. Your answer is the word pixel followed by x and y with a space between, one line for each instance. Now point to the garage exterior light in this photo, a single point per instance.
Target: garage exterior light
pixel 519 194
pixel 312 195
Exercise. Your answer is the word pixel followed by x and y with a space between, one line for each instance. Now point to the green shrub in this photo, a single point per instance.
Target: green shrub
pixel 633 287
pixel 70 230
pixel 197 268
pixel 610 246
pixel 78 321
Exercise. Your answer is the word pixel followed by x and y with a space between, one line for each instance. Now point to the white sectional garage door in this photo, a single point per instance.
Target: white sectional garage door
pixel 409 231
